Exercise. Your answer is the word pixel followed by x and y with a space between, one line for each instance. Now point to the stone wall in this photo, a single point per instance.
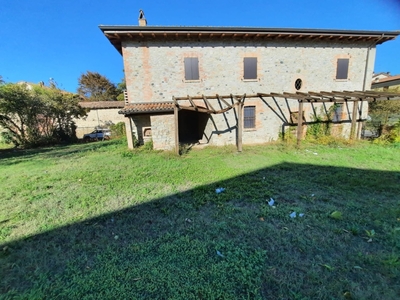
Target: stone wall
pixel 163 131
pixel 155 70
pixel 97 118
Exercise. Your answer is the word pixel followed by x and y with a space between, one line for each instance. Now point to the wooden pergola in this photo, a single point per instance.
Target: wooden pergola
pixel 226 102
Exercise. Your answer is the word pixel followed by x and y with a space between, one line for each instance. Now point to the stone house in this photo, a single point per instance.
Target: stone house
pixel 386 83
pixel 203 84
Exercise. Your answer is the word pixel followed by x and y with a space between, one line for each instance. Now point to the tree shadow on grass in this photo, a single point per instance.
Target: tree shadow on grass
pixel 202 245
pixel 16 156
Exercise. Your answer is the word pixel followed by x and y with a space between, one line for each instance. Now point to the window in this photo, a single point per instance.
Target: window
pixel 342 68
pixel 191 68
pixel 250 68
pixel 249 117
pixel 298 83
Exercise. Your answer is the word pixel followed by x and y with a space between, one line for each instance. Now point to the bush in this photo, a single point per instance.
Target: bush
pixel 148 145
pixel 390 134
pixel 118 130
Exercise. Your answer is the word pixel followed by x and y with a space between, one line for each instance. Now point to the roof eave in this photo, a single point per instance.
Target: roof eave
pixel 116 34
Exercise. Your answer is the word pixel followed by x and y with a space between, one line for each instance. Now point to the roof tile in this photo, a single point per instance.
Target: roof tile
pixel 147 107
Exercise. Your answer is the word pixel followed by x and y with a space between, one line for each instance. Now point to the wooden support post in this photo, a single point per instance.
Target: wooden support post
pixel 176 130
pixel 300 124
pixel 240 126
pixel 360 123
pixel 353 120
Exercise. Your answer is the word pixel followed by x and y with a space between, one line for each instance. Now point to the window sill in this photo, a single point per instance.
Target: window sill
pixel 249 129
pixel 342 80
pixel 250 80
pixel 192 81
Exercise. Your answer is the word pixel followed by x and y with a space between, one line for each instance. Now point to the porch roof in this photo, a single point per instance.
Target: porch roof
pixel 147 107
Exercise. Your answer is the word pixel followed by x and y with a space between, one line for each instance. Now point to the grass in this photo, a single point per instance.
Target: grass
pixel 97 221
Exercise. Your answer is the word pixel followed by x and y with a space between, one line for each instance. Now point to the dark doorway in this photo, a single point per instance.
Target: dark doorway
pixel 191 126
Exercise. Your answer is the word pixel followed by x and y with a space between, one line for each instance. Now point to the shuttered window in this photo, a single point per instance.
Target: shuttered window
pixel 249 117
pixel 250 68
pixel 342 68
pixel 191 68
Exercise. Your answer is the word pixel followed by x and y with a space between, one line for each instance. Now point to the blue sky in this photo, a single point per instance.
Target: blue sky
pixel 60 39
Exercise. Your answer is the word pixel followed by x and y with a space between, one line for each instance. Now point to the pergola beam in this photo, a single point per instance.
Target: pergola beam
pixel 356 97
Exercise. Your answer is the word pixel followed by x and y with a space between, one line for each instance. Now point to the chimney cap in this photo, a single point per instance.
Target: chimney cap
pixel 142 18
pixel 141 15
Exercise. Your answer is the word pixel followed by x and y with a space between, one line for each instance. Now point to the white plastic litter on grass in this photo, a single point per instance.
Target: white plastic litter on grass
pixel 293 215
pixel 271 202
pixel 219 190
pixel 219 254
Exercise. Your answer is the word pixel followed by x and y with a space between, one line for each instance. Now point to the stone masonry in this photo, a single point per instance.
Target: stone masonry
pixel 155 72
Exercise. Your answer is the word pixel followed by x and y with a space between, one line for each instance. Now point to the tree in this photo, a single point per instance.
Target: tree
pixel 121 87
pixel 383 109
pixel 1 79
pixel 96 87
pixel 35 115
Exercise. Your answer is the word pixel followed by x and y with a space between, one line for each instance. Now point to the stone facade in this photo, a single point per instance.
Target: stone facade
pixel 155 70
pixel 155 73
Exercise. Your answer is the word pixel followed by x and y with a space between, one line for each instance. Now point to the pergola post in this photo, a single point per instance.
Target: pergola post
pixel 240 126
pixel 176 130
pixel 353 120
pixel 300 124
pixel 129 134
pixel 360 123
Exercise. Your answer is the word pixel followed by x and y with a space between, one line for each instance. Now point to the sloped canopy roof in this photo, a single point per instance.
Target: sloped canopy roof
pixel 147 107
pixel 116 34
pixel 385 82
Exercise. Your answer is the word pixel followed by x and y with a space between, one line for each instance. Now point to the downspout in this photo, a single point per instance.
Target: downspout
pixel 365 83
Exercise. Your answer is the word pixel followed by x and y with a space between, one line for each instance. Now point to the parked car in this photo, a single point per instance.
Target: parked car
pixel 98 134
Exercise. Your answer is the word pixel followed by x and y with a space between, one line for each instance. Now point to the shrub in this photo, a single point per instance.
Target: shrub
pixel 118 130
pixel 148 145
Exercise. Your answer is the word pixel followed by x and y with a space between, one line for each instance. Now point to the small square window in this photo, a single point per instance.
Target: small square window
pixel 250 68
pixel 191 68
pixel 249 118
pixel 342 68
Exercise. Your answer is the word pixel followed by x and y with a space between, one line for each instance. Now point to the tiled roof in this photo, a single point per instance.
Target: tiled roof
pixel 147 107
pixel 102 104
pixel 390 78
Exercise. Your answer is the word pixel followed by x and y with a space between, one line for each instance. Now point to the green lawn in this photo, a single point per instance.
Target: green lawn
pixel 97 221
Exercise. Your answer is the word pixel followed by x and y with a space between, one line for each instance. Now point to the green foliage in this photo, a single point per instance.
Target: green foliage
pixel 35 115
pixel 148 145
pixel 121 87
pixel 290 134
pixel 322 125
pixel 336 215
pixel 118 130
pixel 382 110
pixel 95 87
pixel 184 149
pixel 390 134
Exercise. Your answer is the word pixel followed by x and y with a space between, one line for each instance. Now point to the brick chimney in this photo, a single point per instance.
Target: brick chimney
pixel 142 19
